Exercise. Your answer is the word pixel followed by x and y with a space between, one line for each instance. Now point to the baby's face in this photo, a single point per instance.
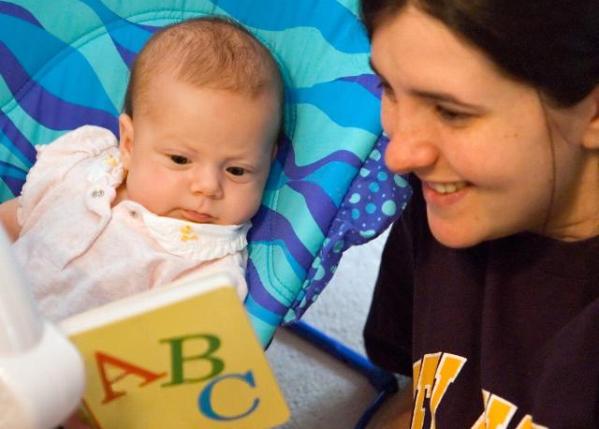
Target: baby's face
pixel 199 154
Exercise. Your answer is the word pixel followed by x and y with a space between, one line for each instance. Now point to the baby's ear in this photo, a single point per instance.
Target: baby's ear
pixel 126 139
pixel 590 139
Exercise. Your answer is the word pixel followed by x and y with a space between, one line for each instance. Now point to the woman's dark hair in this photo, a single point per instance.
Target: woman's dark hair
pixel 552 45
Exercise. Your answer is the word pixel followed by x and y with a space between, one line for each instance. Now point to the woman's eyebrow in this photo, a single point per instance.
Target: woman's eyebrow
pixel 444 98
pixel 431 95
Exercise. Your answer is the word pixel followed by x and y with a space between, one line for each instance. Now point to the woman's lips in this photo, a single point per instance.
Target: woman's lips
pixel 444 194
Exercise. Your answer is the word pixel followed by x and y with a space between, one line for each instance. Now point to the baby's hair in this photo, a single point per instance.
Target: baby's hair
pixel 208 52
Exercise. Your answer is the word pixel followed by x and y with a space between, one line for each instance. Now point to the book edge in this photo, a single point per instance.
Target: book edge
pixel 139 303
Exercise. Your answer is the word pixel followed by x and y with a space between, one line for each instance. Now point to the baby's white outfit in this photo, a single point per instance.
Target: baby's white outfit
pixel 79 252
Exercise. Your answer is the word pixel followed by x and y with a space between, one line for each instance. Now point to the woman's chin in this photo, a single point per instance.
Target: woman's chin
pixel 456 236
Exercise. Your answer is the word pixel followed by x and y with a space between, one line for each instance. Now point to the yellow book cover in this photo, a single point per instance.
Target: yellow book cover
pixel 181 356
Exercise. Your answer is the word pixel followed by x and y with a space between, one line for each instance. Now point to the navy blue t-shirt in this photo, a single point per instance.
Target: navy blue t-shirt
pixel 506 331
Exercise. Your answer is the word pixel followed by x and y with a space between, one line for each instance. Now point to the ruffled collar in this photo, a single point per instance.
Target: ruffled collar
pixel 193 240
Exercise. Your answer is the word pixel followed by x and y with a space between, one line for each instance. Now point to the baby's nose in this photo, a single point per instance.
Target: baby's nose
pixel 207 183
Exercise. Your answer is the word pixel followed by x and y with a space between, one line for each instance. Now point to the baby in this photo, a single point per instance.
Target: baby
pixel 99 220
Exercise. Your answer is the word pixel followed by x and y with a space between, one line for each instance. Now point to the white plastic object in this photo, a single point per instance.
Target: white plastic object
pixel 41 372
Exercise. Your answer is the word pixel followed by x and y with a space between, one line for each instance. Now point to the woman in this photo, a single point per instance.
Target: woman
pixel 488 291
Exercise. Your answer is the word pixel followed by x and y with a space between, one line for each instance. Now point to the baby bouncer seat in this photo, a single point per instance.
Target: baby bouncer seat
pixel 65 63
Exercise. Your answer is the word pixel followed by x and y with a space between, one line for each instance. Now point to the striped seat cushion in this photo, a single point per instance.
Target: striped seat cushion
pixel 65 63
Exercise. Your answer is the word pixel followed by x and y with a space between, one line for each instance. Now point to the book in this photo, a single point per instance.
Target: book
pixel 180 356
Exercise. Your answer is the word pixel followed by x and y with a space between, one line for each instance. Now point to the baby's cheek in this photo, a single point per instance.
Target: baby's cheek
pixel 248 205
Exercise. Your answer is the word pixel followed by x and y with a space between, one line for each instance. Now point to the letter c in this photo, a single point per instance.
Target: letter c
pixel 205 398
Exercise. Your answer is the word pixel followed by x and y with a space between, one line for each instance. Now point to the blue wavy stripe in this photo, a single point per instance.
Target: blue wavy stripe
pixel 320 205
pixel 296 172
pixel 281 267
pixel 15 185
pixel 9 170
pixel 334 178
pixel 130 35
pixel 18 12
pixel 276 178
pixel 259 293
pixel 338 100
pixel 46 108
pixel 23 148
pixel 13 177
pixel 337 24
pixel 125 34
pixel 11 71
pixel 126 54
pixel 271 226
pixel 261 313
pixel 56 114
pixel 86 89
pixel 149 28
pixel 369 81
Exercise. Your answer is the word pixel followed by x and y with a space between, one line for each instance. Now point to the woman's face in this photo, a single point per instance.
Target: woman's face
pixel 481 143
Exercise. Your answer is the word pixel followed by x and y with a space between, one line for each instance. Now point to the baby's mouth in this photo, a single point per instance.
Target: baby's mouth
pixel 447 188
pixel 197 217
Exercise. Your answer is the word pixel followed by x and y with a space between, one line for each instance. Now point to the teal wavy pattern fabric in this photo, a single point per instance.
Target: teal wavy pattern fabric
pixel 65 63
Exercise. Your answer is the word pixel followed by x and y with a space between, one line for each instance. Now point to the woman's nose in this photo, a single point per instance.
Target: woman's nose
pixel 411 139
pixel 406 154
pixel 206 182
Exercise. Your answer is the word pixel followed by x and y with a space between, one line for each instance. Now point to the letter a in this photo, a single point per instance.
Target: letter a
pixel 103 360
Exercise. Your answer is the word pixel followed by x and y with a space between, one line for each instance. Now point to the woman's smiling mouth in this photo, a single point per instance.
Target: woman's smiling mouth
pixel 444 194
pixel 447 187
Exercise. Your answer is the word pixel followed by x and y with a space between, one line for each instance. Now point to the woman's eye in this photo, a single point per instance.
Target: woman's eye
pixel 179 159
pixel 451 115
pixel 236 171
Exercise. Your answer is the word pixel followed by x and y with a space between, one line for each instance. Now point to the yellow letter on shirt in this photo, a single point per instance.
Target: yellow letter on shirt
pixel 434 373
pixel 447 371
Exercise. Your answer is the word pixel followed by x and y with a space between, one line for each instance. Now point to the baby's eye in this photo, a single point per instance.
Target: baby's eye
pixel 179 159
pixel 236 171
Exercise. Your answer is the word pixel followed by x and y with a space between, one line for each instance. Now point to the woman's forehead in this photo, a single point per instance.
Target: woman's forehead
pixel 416 51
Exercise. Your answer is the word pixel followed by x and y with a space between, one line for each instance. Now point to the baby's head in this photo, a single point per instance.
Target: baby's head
pixel 201 120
